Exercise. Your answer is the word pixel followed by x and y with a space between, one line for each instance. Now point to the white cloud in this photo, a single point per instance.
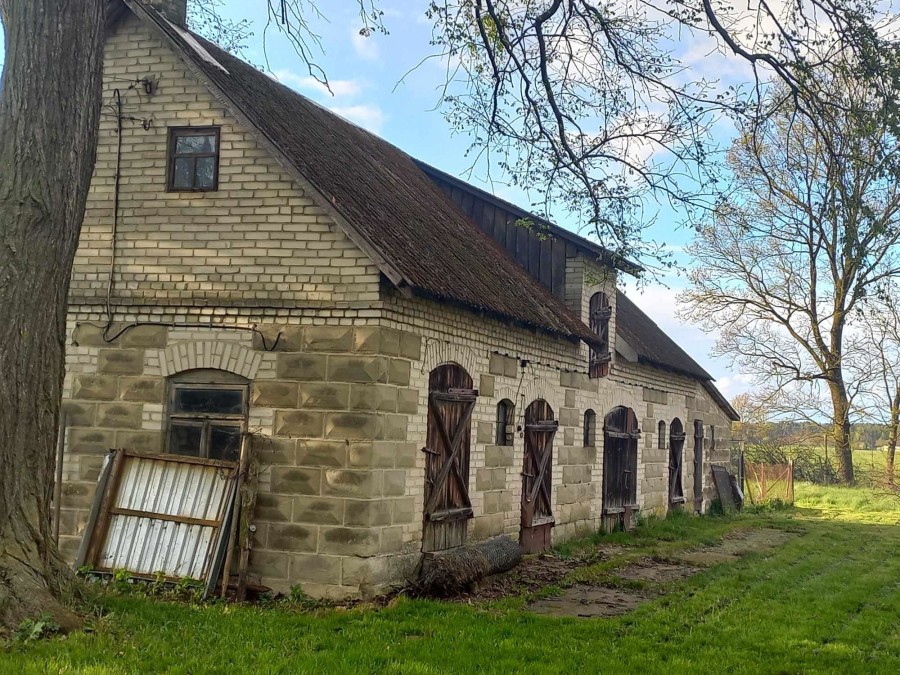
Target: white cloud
pixel 365 47
pixel 732 385
pixel 366 115
pixel 339 88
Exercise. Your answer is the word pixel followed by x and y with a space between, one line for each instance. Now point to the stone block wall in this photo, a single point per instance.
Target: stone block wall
pixel 329 410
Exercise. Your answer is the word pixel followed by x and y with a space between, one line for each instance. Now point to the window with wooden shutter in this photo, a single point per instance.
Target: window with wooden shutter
pixel 600 314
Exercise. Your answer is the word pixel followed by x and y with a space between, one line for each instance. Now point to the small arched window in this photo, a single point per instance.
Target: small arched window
pixel 600 314
pixel 590 428
pixel 505 422
pixel 207 414
pixel 661 435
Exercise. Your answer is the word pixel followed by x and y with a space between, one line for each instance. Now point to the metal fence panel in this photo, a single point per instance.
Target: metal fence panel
pixel 161 515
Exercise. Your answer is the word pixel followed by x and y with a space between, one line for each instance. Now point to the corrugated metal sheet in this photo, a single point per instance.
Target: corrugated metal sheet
pixel 164 490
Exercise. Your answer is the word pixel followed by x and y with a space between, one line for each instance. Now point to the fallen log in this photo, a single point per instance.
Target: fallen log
pixel 452 572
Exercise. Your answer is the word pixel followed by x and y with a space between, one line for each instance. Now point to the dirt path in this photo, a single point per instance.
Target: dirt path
pixel 643 579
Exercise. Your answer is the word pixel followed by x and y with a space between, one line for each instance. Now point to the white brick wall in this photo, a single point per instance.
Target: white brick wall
pixel 258 239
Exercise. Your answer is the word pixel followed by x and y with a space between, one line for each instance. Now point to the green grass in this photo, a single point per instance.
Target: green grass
pixel 827 601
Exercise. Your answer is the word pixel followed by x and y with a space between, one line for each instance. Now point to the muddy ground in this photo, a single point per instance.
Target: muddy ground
pixel 627 586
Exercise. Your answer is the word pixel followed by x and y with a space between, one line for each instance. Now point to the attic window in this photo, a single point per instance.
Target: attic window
pixel 600 314
pixel 193 159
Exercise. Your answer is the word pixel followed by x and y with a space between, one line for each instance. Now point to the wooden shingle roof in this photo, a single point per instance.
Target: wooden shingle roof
pixel 386 204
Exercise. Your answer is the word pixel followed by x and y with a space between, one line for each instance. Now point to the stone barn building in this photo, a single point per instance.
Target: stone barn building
pixel 415 368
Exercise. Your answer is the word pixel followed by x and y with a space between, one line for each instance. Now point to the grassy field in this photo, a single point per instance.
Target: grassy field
pixel 826 601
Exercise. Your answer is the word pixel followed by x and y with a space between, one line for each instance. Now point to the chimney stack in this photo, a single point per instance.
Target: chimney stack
pixel 174 10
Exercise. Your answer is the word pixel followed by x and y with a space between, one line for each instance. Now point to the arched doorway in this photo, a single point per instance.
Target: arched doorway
pixel 537 479
pixel 451 400
pixel 676 461
pixel 620 442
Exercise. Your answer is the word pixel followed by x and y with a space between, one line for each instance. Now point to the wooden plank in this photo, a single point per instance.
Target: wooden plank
pixel 558 264
pixel 100 530
pixel 235 514
pixel 184 459
pixel 105 470
pixel 545 265
pixel 186 520
pixel 245 533
pixel 722 482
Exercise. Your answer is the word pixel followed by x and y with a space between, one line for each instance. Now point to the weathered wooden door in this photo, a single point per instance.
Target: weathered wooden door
pixel 451 400
pixel 698 465
pixel 676 460
pixel 537 478
pixel 620 440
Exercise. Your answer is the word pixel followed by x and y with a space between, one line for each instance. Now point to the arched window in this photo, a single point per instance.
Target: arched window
pixel 590 428
pixel 207 413
pixel 661 435
pixel 600 314
pixel 506 413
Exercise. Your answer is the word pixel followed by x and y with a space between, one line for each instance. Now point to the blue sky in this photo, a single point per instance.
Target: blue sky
pixel 366 74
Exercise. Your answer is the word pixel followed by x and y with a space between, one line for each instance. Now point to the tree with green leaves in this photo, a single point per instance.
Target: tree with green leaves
pixel 805 235
pixel 581 98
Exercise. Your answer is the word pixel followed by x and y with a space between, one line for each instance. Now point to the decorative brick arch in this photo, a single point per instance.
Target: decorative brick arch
pixel 219 355
pixel 438 352
pixel 538 388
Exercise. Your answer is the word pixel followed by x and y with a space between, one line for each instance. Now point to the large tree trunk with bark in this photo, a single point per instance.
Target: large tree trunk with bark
pixel 841 429
pixel 49 110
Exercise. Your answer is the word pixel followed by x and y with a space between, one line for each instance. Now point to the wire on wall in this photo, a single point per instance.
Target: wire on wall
pixel 149 87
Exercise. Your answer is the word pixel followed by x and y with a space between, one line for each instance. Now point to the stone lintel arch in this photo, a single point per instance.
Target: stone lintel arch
pixel 214 354
pixel 438 352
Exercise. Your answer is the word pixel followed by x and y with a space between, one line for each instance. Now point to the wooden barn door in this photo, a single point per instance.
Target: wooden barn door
pixel 698 465
pixel 451 400
pixel 620 440
pixel 676 460
pixel 537 478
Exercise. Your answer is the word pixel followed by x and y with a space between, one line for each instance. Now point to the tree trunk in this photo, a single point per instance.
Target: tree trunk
pixel 893 428
pixel 841 429
pixel 49 110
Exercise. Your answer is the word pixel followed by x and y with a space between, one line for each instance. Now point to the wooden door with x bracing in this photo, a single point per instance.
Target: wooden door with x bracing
pixel 676 461
pixel 537 479
pixel 451 400
pixel 620 442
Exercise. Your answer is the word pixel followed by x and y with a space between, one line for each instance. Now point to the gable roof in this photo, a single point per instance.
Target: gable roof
pixel 654 348
pixel 389 208
pixel 388 204
pixel 650 342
